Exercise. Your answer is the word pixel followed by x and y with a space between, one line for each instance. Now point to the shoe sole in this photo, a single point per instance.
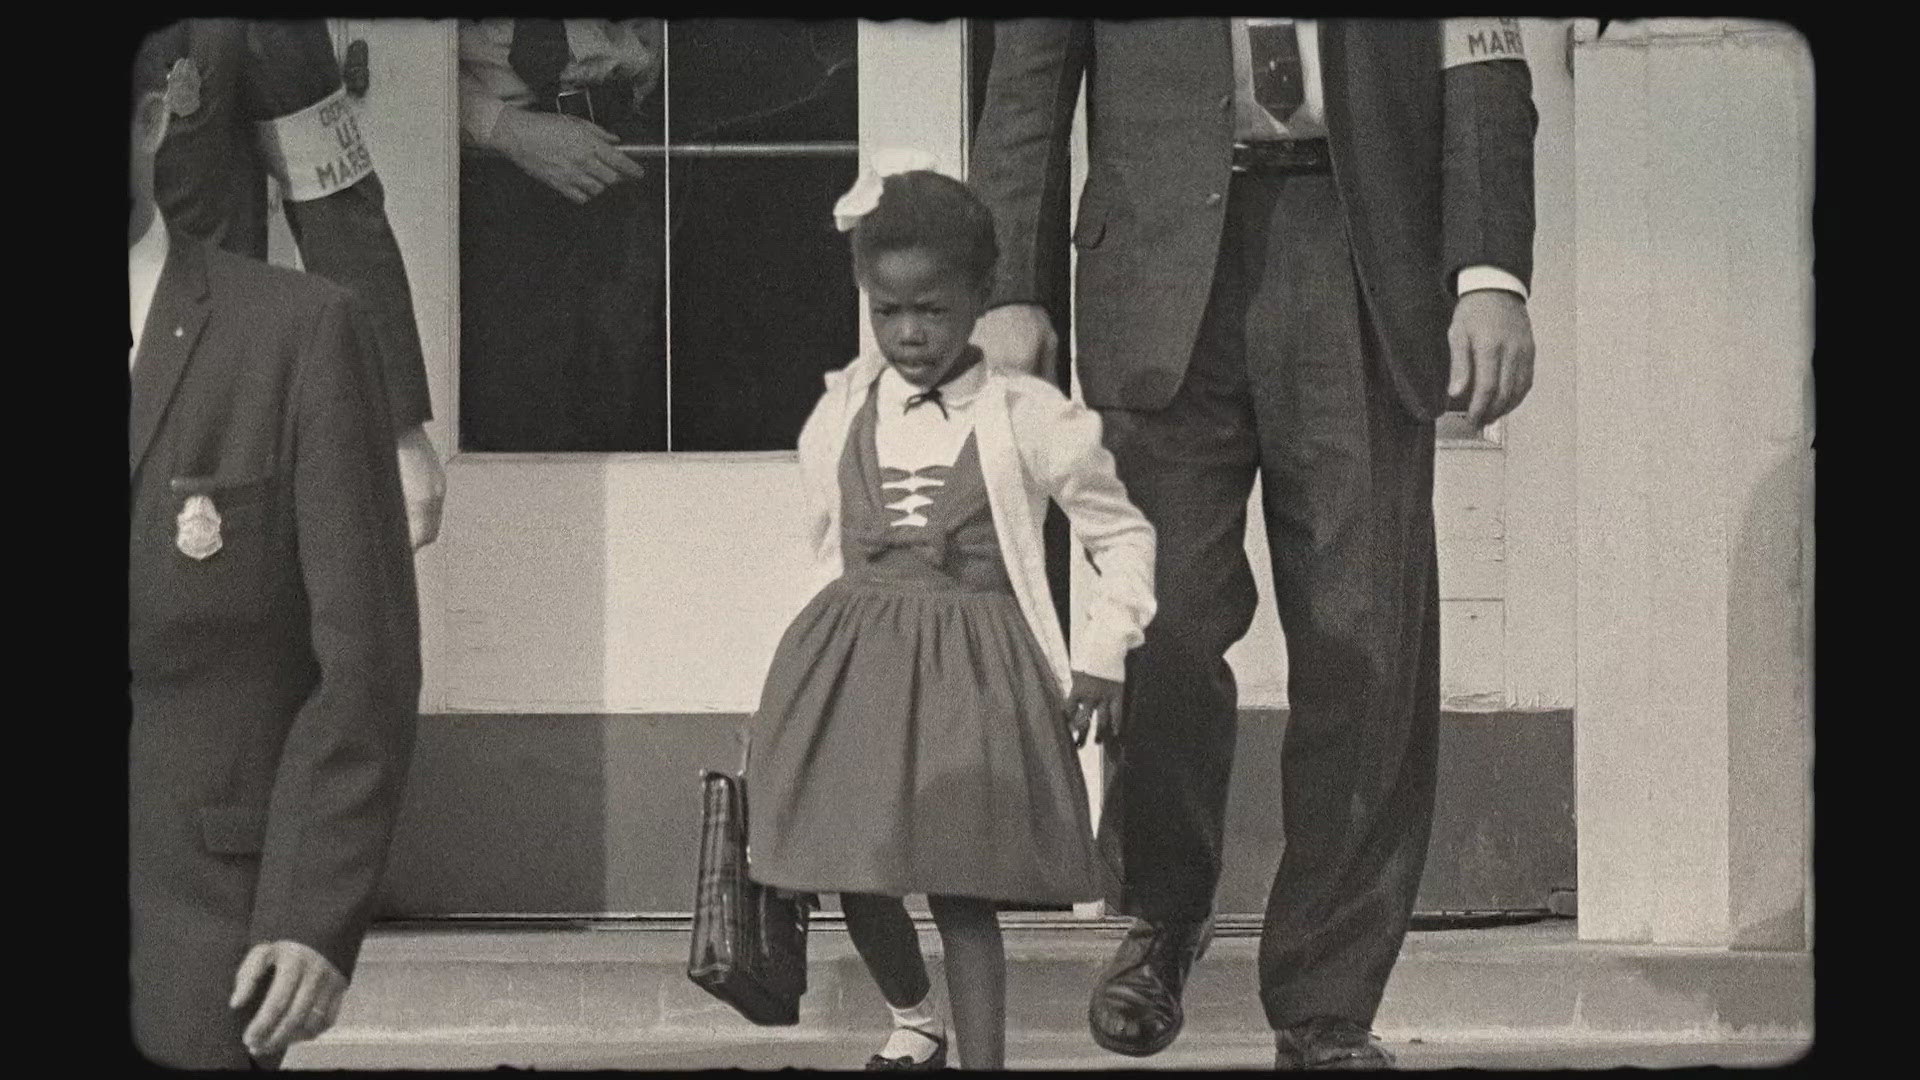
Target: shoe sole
pixel 1107 1042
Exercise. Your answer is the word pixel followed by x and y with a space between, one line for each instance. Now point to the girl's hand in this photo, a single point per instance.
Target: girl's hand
pixel 1093 695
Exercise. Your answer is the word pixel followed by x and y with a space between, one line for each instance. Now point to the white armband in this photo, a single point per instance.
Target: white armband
pixel 318 150
pixel 1469 41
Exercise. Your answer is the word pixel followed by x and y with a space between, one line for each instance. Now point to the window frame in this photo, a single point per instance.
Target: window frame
pixel 663 152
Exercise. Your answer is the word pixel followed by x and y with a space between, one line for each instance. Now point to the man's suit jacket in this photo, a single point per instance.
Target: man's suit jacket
pixel 211 181
pixel 275 682
pixel 1434 166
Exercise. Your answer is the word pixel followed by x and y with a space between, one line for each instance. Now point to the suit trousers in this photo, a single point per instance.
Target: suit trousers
pixel 1285 382
pixel 562 312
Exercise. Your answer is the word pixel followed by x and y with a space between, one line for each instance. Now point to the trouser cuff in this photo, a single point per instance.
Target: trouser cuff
pixel 1345 1000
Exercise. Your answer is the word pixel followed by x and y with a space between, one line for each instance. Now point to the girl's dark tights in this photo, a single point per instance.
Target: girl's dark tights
pixel 976 965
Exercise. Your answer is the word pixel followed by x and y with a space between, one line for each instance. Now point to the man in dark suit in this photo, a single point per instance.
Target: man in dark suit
pixel 562 298
pixel 1296 242
pixel 273 638
pixel 266 97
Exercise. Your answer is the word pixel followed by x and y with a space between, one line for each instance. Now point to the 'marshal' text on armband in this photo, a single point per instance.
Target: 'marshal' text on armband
pixel 1469 41
pixel 318 150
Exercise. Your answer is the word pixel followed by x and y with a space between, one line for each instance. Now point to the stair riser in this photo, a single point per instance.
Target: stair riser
pixel 1731 996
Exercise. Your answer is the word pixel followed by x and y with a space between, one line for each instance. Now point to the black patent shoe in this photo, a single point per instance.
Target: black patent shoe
pixel 934 1063
pixel 1136 1008
pixel 1327 1042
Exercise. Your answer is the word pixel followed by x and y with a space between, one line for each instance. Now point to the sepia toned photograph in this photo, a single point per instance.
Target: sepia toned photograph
pixel 1187 543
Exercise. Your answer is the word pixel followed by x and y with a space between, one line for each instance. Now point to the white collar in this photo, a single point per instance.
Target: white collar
pixel 895 390
pixel 145 260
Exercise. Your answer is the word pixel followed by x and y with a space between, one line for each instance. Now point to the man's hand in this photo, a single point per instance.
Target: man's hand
pixel 1093 696
pixel 302 1001
pixel 424 483
pixel 572 156
pixel 1017 337
pixel 1492 344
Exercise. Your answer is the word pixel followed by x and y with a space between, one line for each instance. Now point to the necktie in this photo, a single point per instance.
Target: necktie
pixel 1279 84
pixel 539 54
pixel 932 393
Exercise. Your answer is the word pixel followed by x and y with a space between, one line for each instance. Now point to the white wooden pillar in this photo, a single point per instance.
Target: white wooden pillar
pixel 1693 143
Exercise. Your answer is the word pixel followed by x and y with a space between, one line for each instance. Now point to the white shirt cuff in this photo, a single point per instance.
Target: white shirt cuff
pixel 1489 277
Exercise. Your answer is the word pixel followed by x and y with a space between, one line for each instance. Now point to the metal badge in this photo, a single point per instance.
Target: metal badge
pixel 199 528
pixel 183 87
pixel 355 71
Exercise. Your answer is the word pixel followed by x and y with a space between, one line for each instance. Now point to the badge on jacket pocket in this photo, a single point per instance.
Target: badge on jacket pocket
pixel 199 528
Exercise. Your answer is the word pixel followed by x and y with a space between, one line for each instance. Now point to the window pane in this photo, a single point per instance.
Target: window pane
pixel 763 297
pixel 565 340
pixel 762 80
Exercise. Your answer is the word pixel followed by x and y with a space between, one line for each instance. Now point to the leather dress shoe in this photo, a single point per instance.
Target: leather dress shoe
pixel 1136 1008
pixel 934 1062
pixel 1327 1042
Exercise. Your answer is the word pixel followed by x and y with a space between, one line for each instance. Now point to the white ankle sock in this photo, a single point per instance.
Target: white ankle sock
pixel 908 1043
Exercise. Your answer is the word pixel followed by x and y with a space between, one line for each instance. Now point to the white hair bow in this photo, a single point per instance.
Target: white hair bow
pixel 864 195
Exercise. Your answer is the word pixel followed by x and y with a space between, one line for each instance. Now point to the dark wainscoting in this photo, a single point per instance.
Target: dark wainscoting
pixel 593 815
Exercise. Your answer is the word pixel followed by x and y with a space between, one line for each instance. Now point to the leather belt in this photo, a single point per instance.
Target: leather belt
pixel 608 103
pixel 1282 156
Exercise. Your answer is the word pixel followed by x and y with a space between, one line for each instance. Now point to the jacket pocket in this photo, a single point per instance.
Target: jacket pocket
pixel 230 490
pixel 233 830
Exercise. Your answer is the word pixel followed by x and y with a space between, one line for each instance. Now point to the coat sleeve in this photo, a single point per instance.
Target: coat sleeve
pixel 344 237
pixel 814 438
pixel 337 788
pixel 1060 440
pixel 1020 160
pixel 1487 160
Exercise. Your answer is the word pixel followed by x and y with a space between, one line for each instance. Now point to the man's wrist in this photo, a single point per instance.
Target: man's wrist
pixel 503 132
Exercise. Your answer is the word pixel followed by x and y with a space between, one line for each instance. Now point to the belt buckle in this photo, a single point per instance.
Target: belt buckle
pixel 580 93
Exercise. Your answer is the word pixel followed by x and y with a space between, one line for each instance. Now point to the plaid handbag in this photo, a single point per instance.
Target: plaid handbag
pixel 749 940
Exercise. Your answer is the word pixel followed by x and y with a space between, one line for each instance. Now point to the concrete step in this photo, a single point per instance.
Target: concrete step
pixel 607 983
pixel 1046 1052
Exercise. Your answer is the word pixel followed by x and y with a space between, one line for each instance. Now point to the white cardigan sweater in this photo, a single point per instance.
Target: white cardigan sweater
pixel 1034 444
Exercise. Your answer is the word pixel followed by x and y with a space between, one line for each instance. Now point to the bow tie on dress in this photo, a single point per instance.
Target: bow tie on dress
pixel 937 545
pixel 928 397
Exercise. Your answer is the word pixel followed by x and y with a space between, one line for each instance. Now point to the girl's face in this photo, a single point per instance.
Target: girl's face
pixel 922 309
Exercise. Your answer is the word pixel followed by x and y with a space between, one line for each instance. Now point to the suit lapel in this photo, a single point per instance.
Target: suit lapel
pixel 174 322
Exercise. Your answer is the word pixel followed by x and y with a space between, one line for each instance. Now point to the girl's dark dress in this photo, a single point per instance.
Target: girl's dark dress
pixel 910 736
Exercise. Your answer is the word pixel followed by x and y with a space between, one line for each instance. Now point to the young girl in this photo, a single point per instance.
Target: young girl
pixel 917 729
